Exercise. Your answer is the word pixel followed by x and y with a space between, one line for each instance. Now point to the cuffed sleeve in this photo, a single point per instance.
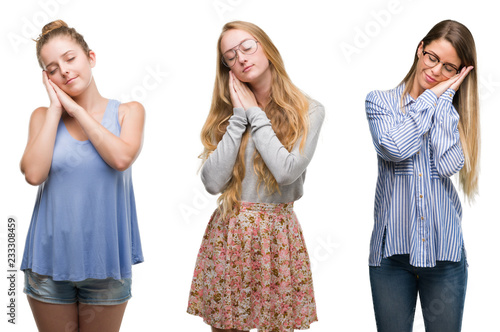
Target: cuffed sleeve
pixel 397 135
pixel 286 166
pixel 218 168
pixel 445 138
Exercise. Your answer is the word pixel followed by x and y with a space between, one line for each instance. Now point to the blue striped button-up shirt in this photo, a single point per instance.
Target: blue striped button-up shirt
pixel 416 204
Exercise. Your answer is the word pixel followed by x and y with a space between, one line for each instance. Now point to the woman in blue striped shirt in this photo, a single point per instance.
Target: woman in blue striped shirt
pixel 424 131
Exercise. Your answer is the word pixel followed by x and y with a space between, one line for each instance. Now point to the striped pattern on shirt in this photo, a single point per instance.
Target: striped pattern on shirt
pixel 416 204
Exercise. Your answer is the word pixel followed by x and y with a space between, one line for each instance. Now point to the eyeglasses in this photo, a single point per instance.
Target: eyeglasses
pixel 248 47
pixel 431 60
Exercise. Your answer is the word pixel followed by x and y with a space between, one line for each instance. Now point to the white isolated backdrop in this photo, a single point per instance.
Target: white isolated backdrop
pixel 162 53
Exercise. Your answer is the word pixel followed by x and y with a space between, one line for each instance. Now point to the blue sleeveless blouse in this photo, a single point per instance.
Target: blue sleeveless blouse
pixel 84 223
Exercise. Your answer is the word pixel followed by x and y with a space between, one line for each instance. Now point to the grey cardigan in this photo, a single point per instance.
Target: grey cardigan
pixel 288 168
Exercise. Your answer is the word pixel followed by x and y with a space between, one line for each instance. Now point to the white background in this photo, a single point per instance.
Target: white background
pixel 176 40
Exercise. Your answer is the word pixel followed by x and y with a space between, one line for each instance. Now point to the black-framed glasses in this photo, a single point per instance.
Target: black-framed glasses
pixel 431 60
pixel 248 46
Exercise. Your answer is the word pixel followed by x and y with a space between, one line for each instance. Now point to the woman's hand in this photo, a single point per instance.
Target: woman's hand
pixel 55 104
pixel 235 100
pixel 453 82
pixel 461 76
pixel 69 105
pixel 37 157
pixel 241 95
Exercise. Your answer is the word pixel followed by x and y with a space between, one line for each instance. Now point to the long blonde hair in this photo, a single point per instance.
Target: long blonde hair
pixel 466 100
pixel 287 110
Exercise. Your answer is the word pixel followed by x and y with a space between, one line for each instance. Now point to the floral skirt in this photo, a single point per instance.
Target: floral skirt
pixel 253 271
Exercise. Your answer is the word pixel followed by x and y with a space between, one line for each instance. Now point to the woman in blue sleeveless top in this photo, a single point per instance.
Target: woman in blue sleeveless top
pixel 83 238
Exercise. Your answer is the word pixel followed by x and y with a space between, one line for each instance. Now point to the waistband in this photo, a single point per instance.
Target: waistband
pixel 275 207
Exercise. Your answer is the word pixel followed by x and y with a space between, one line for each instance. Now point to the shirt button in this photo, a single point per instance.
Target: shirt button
pixel 419 174
pixel 418 152
pixel 451 95
pixel 423 240
pixel 421 196
pixel 422 218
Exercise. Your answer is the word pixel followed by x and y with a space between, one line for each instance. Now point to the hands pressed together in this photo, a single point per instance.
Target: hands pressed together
pixel 453 82
pixel 59 100
pixel 241 95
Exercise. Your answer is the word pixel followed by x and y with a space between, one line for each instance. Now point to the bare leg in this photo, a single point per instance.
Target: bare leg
pixel 214 329
pixel 44 313
pixel 105 318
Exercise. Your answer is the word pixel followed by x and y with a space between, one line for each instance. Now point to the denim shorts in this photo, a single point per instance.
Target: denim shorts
pixel 89 291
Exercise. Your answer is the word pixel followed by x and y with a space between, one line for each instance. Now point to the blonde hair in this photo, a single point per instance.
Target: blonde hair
pixel 287 110
pixel 58 28
pixel 466 100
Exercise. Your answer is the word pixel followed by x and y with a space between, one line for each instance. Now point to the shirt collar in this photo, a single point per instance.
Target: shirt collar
pixel 407 99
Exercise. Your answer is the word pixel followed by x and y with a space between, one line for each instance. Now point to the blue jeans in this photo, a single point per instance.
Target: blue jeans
pixel 395 285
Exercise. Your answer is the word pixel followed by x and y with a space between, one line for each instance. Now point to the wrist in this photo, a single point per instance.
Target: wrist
pixel 54 111
pixel 429 97
pixel 448 95
pixel 76 111
pixel 239 111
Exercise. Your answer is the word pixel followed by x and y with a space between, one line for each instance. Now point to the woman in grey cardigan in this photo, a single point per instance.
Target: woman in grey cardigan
pixel 253 269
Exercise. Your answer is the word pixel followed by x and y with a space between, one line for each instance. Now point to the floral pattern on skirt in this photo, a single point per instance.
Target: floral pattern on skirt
pixel 253 271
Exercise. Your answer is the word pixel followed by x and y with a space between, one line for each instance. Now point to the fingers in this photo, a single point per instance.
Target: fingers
pixel 243 93
pixel 461 76
pixel 236 83
pixel 48 82
pixel 466 71
pixel 61 95
pixel 45 78
pixel 49 86
pixel 58 92
pixel 54 86
pixel 231 83
pixel 235 100
pixel 239 87
pixel 231 79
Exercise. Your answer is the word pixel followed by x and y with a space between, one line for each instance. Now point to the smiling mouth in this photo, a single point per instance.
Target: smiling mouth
pixel 430 79
pixel 70 80
pixel 247 68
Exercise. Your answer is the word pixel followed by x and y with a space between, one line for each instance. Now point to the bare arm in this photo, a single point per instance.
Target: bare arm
pixel 37 157
pixel 118 152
